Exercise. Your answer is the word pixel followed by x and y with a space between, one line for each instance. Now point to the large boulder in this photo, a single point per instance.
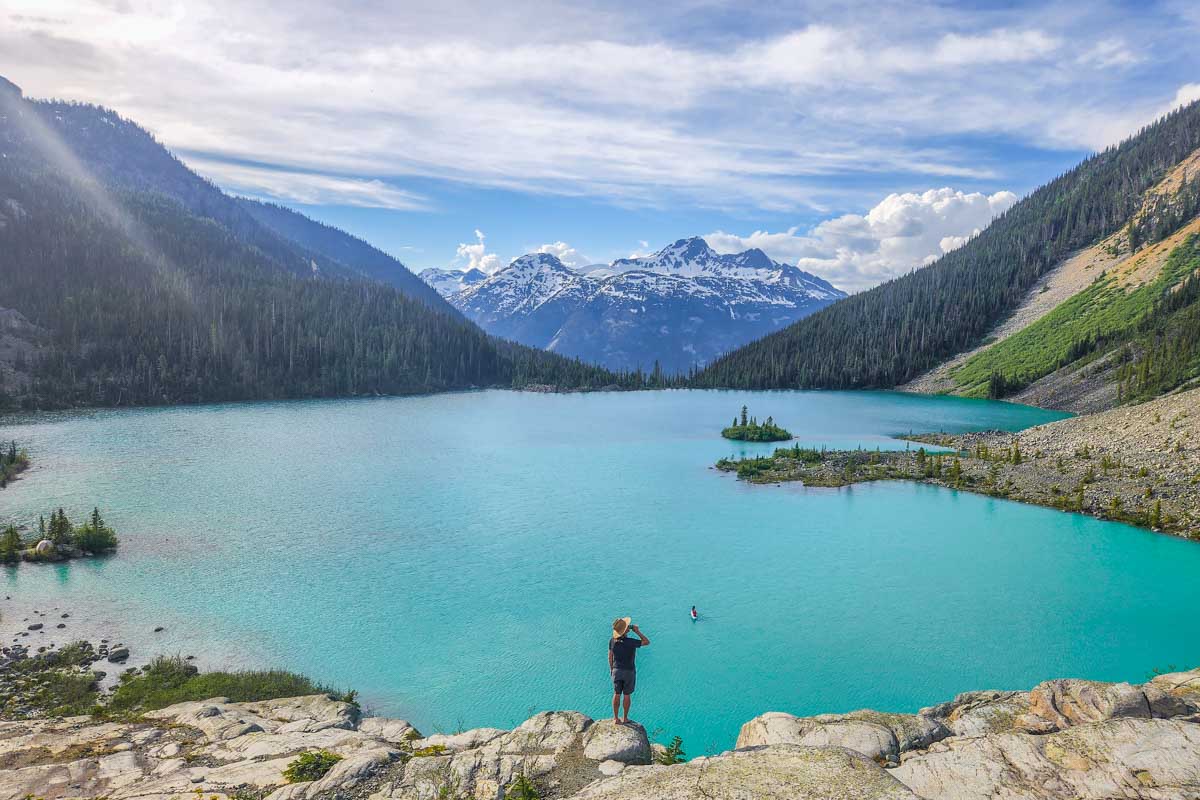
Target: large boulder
pixel 980 713
pixel 317 710
pixel 221 720
pixel 457 742
pixel 345 775
pixel 776 772
pixel 547 749
pixel 1174 693
pixel 1150 759
pixel 881 737
pixel 396 731
pixel 608 741
pixel 549 732
pixel 1059 704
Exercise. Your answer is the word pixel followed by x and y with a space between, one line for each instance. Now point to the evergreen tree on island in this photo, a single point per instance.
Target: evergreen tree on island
pixel 747 429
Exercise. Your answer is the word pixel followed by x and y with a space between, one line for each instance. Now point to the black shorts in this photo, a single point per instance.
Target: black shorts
pixel 624 680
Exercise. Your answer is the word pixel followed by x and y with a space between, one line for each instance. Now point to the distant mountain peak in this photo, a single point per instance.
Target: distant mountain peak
pixel 755 259
pixel 536 260
pixel 692 247
pixel 681 306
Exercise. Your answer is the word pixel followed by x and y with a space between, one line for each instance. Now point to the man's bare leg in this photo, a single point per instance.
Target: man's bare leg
pixel 628 698
pixel 616 705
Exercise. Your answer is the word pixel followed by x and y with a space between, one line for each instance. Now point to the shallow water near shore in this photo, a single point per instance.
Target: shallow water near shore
pixel 458 558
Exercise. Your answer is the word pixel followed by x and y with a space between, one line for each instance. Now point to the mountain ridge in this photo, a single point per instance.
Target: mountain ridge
pixel 676 308
pixel 148 285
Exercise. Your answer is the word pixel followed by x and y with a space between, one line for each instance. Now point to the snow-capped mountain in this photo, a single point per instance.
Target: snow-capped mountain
pixel 448 281
pixel 682 306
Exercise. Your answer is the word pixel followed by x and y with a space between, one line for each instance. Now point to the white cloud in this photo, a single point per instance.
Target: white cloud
pixel 476 256
pixel 1188 93
pixel 307 188
pixel 642 250
pixel 902 232
pixel 565 253
pixel 583 99
pixel 994 47
pixel 1101 126
pixel 1107 53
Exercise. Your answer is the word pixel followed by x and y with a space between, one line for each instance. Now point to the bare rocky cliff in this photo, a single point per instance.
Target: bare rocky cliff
pixel 1063 739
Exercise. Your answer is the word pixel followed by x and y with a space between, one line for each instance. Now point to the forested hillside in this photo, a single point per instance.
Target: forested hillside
pixel 340 246
pixel 896 331
pixel 143 300
pixel 121 154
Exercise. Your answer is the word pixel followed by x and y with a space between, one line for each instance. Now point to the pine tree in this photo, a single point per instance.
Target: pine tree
pixel 94 536
pixel 10 545
pixel 61 530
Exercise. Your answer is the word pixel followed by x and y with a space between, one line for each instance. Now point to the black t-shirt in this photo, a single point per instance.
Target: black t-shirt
pixel 623 651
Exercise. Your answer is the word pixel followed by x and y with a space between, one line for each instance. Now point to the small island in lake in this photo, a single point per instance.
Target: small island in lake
pixel 60 540
pixel 1134 464
pixel 747 429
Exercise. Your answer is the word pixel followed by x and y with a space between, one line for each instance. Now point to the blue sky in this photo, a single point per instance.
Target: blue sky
pixel 858 139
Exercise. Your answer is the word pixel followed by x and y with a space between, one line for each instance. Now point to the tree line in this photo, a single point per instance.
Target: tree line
pixel 162 306
pixel 12 461
pixel 66 540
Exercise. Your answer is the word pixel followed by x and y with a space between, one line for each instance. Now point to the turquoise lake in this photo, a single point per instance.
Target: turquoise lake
pixel 459 558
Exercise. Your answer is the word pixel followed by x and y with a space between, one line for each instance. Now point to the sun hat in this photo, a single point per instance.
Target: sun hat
pixel 620 626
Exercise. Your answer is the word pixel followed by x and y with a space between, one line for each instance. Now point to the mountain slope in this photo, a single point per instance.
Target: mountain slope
pixel 136 298
pixel 121 154
pixel 899 330
pixel 354 253
pixel 678 308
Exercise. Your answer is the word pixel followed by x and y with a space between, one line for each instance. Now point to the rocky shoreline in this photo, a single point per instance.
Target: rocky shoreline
pixel 1137 464
pixel 1077 739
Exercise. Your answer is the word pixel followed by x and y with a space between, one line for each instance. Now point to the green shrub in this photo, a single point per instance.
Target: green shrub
pixel 91 540
pixel 432 750
pixel 673 754
pixel 75 654
pixel 94 536
pixel 310 766
pixel 522 789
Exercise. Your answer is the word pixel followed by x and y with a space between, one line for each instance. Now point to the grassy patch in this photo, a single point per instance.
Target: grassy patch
pixel 1102 313
pixel 169 680
pixel 58 682
pixel 64 693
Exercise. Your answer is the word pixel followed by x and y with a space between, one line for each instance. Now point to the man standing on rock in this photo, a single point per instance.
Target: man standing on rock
pixel 621 652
